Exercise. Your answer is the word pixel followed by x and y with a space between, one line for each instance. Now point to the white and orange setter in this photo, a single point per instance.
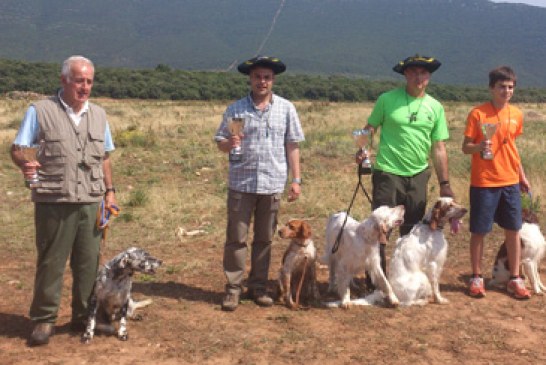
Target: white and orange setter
pixel 418 259
pixel 297 275
pixel 358 251
pixel 533 248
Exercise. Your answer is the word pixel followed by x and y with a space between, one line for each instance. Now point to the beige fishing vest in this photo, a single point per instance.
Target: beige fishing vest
pixel 71 156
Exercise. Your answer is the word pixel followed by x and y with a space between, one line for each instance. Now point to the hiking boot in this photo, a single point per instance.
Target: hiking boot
pixel 230 301
pixel 516 287
pixel 41 333
pixel 476 288
pixel 261 298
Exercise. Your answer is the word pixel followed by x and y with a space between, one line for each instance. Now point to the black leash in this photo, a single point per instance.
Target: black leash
pixel 361 171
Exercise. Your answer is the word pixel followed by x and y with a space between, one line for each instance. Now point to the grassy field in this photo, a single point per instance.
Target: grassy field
pixel 171 178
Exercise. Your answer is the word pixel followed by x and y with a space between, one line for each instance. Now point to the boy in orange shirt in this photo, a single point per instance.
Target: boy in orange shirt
pixel 496 183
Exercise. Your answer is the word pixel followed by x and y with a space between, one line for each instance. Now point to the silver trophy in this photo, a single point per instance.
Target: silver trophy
pixel 29 154
pixel 362 139
pixel 236 126
pixel 488 130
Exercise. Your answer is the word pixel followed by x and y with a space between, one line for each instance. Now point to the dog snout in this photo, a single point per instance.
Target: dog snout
pixel 282 232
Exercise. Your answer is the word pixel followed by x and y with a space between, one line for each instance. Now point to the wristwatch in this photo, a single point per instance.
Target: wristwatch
pixel 296 180
pixel 112 189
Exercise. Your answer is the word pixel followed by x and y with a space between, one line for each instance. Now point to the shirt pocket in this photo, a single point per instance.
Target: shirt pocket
pixel 96 146
pixel 52 147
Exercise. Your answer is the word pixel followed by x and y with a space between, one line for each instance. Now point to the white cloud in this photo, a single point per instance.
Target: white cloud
pixel 541 3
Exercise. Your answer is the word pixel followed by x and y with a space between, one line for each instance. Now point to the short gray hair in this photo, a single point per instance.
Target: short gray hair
pixel 67 64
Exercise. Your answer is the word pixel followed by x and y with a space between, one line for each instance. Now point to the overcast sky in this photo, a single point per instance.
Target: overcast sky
pixel 530 2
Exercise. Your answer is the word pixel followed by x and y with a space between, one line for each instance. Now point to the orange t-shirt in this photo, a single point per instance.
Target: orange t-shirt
pixel 503 169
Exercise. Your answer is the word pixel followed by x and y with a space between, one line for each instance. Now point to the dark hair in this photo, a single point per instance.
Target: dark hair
pixel 502 73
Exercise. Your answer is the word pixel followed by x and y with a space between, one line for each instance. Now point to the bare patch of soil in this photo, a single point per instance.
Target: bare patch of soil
pixel 185 324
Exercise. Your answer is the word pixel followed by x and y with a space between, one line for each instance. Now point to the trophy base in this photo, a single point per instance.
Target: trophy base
pixel 31 184
pixel 486 155
pixel 235 157
pixel 364 170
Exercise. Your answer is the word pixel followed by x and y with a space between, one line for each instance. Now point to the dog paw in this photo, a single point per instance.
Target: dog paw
pixel 393 302
pixel 442 300
pixel 137 317
pixel 86 338
pixel 293 306
pixel 123 337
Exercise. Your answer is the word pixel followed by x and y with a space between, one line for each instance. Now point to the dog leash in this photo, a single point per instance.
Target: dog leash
pixel 103 219
pixel 358 185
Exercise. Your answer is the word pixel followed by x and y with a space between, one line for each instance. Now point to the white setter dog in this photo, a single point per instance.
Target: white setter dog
pixel 358 251
pixel 419 256
pixel 298 272
pixel 533 248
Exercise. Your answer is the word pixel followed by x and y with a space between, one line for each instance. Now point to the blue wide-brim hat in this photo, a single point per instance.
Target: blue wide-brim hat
pixel 431 64
pixel 273 63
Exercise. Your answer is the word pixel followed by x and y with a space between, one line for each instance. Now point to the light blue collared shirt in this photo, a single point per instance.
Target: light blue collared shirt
pixel 29 130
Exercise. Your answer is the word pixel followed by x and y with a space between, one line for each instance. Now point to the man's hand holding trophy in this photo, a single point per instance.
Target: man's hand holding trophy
pixel 236 126
pixel 488 130
pixel 363 138
pixel 30 165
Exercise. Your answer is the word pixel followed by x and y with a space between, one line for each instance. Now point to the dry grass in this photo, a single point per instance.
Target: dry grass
pixel 170 175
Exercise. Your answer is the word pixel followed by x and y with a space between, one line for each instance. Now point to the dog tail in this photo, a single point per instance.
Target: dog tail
pixel 141 303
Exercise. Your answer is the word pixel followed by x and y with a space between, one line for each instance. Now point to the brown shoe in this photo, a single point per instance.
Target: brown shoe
pixel 261 298
pixel 230 301
pixel 41 333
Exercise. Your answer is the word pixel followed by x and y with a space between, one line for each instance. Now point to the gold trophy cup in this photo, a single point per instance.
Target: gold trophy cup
pixel 488 130
pixel 236 126
pixel 362 138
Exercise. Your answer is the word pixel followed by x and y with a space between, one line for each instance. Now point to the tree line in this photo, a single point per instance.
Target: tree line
pixel 166 83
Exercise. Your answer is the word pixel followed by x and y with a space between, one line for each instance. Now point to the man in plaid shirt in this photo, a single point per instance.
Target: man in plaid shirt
pixel 269 145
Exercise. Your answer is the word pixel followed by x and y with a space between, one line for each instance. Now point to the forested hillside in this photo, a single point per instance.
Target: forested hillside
pixel 361 38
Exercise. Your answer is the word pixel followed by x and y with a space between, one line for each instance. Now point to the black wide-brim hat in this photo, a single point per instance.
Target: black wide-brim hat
pixel 269 62
pixel 429 63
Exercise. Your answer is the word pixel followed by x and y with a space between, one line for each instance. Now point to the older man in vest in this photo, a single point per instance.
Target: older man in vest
pixel 74 175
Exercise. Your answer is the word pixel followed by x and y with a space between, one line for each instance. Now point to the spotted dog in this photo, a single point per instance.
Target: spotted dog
pixel 111 298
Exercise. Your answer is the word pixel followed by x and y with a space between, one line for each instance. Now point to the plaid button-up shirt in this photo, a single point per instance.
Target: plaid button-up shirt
pixel 264 167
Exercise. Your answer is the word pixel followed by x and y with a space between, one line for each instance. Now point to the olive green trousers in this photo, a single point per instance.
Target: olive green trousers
pixel 64 231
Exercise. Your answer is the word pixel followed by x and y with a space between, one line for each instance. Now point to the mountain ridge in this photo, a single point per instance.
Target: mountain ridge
pixel 362 38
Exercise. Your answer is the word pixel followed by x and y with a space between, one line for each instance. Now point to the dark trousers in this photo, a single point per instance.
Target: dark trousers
pixel 241 208
pixel 64 231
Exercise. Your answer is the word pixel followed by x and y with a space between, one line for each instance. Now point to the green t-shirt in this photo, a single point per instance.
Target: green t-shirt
pixel 409 126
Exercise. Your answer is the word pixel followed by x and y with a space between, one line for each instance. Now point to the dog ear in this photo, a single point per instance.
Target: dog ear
pixel 123 262
pixel 436 215
pixel 383 232
pixel 305 230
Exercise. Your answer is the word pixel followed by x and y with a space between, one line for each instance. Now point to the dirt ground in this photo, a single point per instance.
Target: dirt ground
pixel 185 324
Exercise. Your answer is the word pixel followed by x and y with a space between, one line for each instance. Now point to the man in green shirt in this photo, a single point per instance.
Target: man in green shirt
pixel 412 126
